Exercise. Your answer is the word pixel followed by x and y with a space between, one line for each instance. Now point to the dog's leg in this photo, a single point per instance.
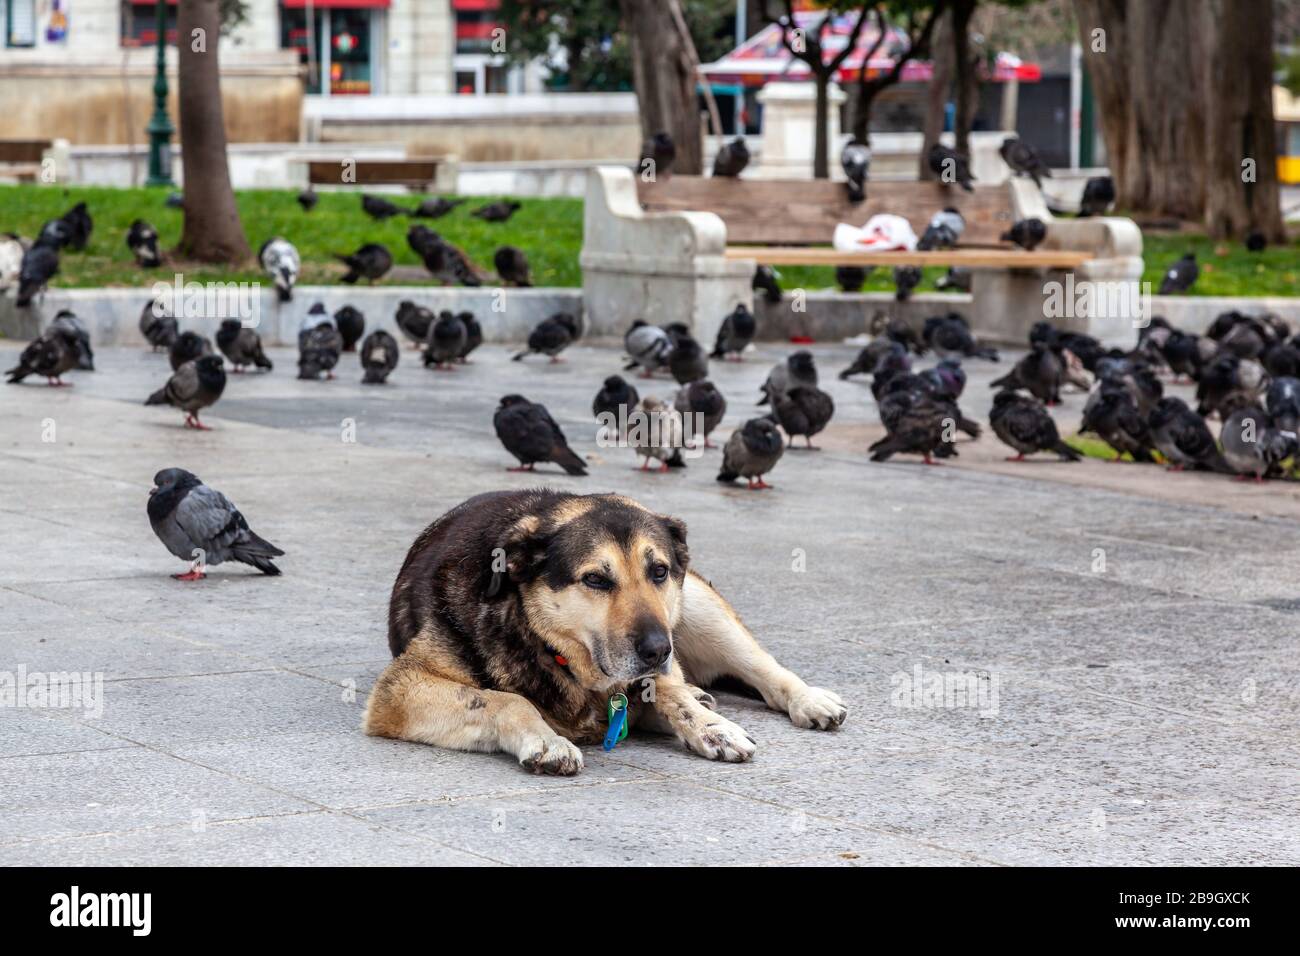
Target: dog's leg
pixel 712 642
pixel 410 702
pixel 678 709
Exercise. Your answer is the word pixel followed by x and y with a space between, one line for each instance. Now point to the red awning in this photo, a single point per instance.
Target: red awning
pixel 339 4
pixel 471 5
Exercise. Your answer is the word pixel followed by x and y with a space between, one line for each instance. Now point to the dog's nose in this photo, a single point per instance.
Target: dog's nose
pixel 653 647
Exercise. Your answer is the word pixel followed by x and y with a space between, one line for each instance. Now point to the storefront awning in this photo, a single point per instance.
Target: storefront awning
pixel 763 57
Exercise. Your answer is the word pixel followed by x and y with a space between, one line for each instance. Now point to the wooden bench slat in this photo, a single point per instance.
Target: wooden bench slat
pixel 965 258
pixel 387 172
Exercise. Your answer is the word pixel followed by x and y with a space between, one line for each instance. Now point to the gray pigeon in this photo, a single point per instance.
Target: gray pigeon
pixel 701 398
pixel 1253 447
pixel 200 525
pixel 1183 438
pixel 319 345
pixel 648 346
pixel 193 387
pixel 447 337
pixel 803 410
pixel 751 452
pixel 69 322
pixel 51 354
pixel 735 334
pixel 158 328
pixel 243 346
pixel 796 370
pixel 379 355
pixel 1023 159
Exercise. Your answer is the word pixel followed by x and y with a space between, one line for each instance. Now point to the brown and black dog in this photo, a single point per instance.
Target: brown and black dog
pixel 518 615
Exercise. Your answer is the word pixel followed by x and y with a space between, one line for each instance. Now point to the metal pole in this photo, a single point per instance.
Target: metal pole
pixel 160 127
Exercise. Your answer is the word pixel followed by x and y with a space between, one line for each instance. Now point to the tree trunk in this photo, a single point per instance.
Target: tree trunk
pixel 937 92
pixel 821 166
pixel 1109 84
pixel 212 231
pixel 965 78
pixel 664 77
pixel 1239 117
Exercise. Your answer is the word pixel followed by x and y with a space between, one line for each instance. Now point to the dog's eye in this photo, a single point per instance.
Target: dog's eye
pixel 597 582
pixel 659 573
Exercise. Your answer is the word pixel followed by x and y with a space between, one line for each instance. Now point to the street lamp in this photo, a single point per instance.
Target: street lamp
pixel 160 127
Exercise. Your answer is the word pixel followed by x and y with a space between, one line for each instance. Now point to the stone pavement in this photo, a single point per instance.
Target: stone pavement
pixel 1135 656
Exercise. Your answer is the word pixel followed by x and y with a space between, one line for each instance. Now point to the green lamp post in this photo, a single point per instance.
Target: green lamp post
pixel 160 127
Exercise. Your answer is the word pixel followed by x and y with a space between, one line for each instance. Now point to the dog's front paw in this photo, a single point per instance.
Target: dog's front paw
pixel 716 738
pixel 815 708
pixel 551 755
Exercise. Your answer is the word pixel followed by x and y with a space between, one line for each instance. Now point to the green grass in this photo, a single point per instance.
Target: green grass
pixel 548 230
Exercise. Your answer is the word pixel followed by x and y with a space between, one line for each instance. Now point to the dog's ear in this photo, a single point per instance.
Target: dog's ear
pixel 518 556
pixel 677 535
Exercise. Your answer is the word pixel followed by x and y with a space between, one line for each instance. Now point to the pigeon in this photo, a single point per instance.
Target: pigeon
pixel 437 208
pixel 142 240
pixel 951 166
pixel 943 231
pixel 50 354
pixel 446 339
pixel 1283 403
pixel 370 262
pixel 351 324
pixel 194 386
pixel 702 407
pixel 1098 196
pixel 1245 336
pixel 950 337
pixel 80 225
pixel 1135 376
pixel 379 355
pixel 1028 234
pixel 956 279
pixel 797 369
pixel 379 209
pixel 39 264
pixel 497 211
pixel 200 525
pixel 241 345
pixel 551 336
pixel 448 264
pixel 1039 373
pixel 946 380
pixel 896 330
pixel 731 159
pixel 655 433
pixel 688 361
pixel 280 261
pixel 751 452
pixel 187 347
pixel 855 159
pixel 614 403
pixel 1183 438
pixel 414 321
pixel 868 360
pixel 765 281
pixel 1023 160
pixel 803 410
pixel 1181 352
pixel 1227 383
pixel 657 156
pixel 648 346
pixel 174 201
pixel 319 346
pixel 891 363
pixel 68 322
pixel 528 432
pixel 512 267
pixel 56 233
pixel 1181 276
pixel 916 423
pixel 11 261
pixel 851 278
pixel 1253 447
pixel 906 279
pixel 1114 418
pixel 473 336
pixel 307 199
pixel 158 328
pixel 1024 424
pixel 1256 241
pixel 735 334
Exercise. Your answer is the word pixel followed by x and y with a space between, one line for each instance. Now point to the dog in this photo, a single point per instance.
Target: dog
pixel 518 616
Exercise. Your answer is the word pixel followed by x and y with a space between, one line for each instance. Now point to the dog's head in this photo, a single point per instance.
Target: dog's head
pixel 599 579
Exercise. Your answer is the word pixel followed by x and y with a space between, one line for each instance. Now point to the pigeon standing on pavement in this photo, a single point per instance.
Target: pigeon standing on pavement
pixel 242 346
pixel 379 355
pixel 39 264
pixel 193 387
pixel 688 361
pixel 1283 403
pixel 869 358
pixel 1183 438
pixel 616 399
pixel 655 433
pixel 50 354
pixel 798 369
pixel 735 334
pixel 1024 424
pixel 370 262
pixel 803 410
pixel 497 211
pixel 855 159
pixel 731 159
pixel 200 525
pixel 1023 160
pixel 473 336
pixel 68 321
pixel 280 261
pixel 351 324
pixel 951 166
pixel 1039 373
pixel 158 328
pixel 1098 196
pixel 896 330
pixel 446 339
pixel 319 345
pixel 950 338
pixel 1114 418
pixel 512 267
pixel 705 405
pixel 1181 276
pixel 1253 447
pixel 1028 234
pixel 648 346
pixel 414 321
pixel 187 347
pixel 142 240
pixel 551 336
pixel 751 452
pixel 528 432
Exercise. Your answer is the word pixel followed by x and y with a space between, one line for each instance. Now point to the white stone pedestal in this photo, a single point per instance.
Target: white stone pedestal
pixel 789 130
